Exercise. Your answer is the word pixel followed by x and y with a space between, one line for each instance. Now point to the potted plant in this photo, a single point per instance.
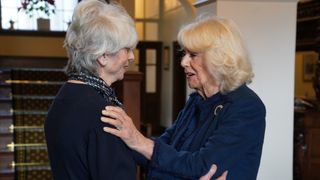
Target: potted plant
pixel 41 9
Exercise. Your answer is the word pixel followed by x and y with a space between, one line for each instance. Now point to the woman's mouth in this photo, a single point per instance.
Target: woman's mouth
pixel 189 74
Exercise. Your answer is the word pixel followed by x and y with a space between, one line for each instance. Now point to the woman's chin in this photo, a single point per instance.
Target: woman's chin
pixel 120 77
pixel 191 85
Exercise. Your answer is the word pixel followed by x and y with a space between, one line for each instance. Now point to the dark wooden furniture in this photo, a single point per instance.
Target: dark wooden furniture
pixel 307 145
pixel 308 26
pixel 128 91
pixel 312 138
pixel 307 123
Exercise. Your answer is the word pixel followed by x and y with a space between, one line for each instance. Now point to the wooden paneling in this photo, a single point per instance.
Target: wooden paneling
pixel 128 91
pixel 311 161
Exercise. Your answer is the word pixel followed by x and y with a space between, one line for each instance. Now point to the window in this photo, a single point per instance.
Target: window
pixel 13 19
pixel 147 16
pixel 170 5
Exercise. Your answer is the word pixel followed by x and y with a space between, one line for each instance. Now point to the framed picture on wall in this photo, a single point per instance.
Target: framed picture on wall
pixel 166 58
pixel 309 65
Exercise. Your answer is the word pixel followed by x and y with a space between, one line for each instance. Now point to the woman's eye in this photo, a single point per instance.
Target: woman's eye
pixel 192 55
pixel 183 53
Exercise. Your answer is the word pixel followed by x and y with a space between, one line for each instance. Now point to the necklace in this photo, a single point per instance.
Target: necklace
pixel 98 84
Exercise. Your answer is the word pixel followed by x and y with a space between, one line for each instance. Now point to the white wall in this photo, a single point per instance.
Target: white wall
pixel 171 23
pixel 269 29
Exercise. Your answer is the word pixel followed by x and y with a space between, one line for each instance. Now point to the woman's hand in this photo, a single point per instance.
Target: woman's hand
pixel 125 129
pixel 211 172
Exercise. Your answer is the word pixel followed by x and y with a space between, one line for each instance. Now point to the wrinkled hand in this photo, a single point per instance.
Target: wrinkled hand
pixel 126 130
pixel 211 172
pixel 124 127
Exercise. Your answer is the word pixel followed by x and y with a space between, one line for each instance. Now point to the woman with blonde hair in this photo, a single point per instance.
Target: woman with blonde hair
pixel 223 121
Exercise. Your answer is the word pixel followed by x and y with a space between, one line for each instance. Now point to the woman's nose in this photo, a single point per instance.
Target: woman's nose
pixel 184 61
pixel 131 56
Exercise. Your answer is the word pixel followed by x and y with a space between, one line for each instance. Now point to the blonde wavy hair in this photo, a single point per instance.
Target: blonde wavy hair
pixel 97 27
pixel 225 53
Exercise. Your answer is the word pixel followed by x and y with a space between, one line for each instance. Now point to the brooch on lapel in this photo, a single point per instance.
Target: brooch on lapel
pixel 217 109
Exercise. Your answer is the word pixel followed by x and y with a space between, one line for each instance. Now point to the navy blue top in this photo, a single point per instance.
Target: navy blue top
pixel 230 134
pixel 78 147
pixel 196 118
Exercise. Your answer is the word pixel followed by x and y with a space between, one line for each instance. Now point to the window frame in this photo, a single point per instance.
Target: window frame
pixel 29 32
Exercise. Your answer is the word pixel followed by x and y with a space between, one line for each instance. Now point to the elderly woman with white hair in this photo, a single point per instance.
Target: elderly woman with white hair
pixel 223 121
pixel 99 42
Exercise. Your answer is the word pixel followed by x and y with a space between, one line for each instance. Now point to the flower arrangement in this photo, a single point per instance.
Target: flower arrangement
pixel 42 7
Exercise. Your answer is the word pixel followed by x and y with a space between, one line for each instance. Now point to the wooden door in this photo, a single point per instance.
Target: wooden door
pixel 179 82
pixel 312 160
pixel 313 154
pixel 150 56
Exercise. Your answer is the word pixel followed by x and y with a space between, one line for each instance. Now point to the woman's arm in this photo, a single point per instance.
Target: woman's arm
pixel 137 141
pixel 125 129
pixel 240 128
pixel 130 132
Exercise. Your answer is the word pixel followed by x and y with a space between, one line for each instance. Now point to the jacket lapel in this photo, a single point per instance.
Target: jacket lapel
pixel 209 126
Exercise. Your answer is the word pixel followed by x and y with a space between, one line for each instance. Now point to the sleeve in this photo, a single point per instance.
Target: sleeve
pixel 99 155
pixel 242 126
pixel 104 152
pixel 165 137
pixel 140 159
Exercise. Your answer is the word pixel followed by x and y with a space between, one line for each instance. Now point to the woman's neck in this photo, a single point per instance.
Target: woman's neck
pixel 208 91
pixel 105 77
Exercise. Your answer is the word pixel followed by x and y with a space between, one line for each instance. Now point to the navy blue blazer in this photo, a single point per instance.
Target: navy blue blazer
pixel 78 147
pixel 230 137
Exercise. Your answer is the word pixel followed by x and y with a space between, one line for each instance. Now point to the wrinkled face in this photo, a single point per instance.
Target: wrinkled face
pixel 196 71
pixel 118 63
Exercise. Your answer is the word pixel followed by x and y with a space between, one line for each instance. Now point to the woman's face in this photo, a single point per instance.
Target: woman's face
pixel 197 74
pixel 118 63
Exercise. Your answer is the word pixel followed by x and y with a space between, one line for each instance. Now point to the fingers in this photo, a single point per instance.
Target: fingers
pixel 114 122
pixel 213 169
pixel 110 114
pixel 210 173
pixel 114 112
pixel 223 176
pixel 113 131
pixel 115 109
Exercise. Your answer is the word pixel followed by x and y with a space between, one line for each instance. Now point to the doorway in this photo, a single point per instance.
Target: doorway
pixel 149 62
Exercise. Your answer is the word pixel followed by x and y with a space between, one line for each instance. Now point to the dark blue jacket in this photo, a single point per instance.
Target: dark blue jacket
pixel 78 147
pixel 231 137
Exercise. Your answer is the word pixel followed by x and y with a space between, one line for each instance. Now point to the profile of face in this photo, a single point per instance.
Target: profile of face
pixel 118 63
pixel 197 74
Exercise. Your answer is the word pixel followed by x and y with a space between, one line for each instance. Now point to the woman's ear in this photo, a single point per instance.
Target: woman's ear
pixel 102 60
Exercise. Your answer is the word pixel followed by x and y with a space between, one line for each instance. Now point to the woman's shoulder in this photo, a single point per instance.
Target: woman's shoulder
pixel 241 93
pixel 245 96
pixel 79 93
pixel 80 100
